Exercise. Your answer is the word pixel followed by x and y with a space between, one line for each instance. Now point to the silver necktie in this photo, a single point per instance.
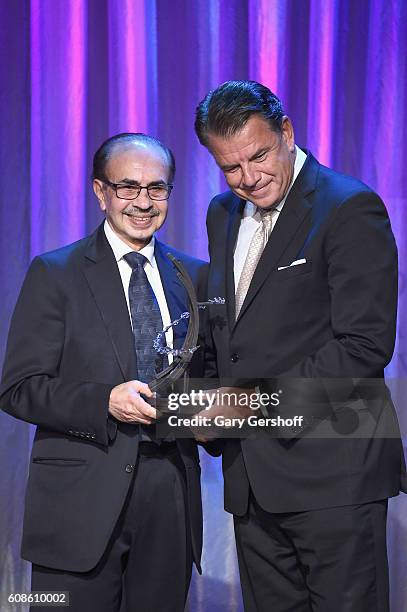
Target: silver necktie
pixel 256 248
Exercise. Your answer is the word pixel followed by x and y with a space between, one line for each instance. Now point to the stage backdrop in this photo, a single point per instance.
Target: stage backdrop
pixel 74 72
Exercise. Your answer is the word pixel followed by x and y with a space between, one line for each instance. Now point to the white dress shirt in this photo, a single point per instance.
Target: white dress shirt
pixel 120 249
pixel 251 219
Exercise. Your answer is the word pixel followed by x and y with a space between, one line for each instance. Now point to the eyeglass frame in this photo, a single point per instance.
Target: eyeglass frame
pixel 168 186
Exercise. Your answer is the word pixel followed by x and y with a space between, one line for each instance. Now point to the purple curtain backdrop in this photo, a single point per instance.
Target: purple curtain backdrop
pixel 74 72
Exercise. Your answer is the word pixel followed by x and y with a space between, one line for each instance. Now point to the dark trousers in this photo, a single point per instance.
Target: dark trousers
pixel 328 560
pixel 148 563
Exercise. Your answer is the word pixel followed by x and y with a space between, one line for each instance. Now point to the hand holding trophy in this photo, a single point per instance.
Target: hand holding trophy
pixel 163 381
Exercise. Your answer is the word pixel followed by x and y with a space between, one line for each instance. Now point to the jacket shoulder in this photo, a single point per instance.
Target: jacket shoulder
pixel 221 207
pixel 188 261
pixel 66 255
pixel 343 185
pixel 226 200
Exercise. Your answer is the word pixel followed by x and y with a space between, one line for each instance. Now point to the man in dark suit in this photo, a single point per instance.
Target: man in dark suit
pixel 111 510
pixel 307 262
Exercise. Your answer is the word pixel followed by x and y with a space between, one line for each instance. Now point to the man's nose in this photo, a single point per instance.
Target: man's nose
pixel 250 177
pixel 143 200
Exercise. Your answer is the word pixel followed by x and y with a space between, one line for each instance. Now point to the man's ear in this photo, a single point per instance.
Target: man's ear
pixel 99 193
pixel 288 132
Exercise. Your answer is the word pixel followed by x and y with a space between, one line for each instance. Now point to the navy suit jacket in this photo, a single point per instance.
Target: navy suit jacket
pixel 312 330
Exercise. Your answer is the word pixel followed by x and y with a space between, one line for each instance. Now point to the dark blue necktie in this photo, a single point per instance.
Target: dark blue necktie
pixel 146 318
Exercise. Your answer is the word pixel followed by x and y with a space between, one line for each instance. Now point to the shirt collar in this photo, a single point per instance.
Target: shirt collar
pixel 120 248
pixel 300 157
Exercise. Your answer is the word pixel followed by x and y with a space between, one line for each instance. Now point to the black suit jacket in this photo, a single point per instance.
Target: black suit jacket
pixel 70 343
pixel 326 322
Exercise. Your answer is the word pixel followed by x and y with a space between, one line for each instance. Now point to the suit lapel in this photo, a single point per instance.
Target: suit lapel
pixel 174 291
pixel 295 211
pixel 102 274
pixel 232 232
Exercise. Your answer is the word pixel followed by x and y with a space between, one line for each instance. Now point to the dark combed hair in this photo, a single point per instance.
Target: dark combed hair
pixel 107 148
pixel 226 109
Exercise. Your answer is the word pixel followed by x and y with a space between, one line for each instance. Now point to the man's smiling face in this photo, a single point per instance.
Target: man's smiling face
pixel 134 221
pixel 258 163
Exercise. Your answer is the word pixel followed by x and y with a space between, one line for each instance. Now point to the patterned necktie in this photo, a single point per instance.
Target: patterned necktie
pixel 256 248
pixel 146 318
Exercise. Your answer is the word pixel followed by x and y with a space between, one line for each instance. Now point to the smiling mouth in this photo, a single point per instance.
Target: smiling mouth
pixel 141 222
pixel 256 190
pixel 141 217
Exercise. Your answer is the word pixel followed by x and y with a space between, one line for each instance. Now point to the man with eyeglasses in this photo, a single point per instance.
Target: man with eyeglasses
pixel 113 513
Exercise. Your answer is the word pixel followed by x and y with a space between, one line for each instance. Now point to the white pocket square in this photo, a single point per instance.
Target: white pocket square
pixel 297 262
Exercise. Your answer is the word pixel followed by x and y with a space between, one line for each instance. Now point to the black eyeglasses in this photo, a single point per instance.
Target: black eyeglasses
pixel 131 192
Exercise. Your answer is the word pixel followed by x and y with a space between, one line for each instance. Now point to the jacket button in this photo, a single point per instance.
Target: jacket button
pixel 234 358
pixel 129 468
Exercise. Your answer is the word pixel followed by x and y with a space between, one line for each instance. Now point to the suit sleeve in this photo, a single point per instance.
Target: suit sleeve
pixel 31 387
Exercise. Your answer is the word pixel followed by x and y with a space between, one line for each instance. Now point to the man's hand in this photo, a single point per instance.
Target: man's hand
pixel 234 403
pixel 126 404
